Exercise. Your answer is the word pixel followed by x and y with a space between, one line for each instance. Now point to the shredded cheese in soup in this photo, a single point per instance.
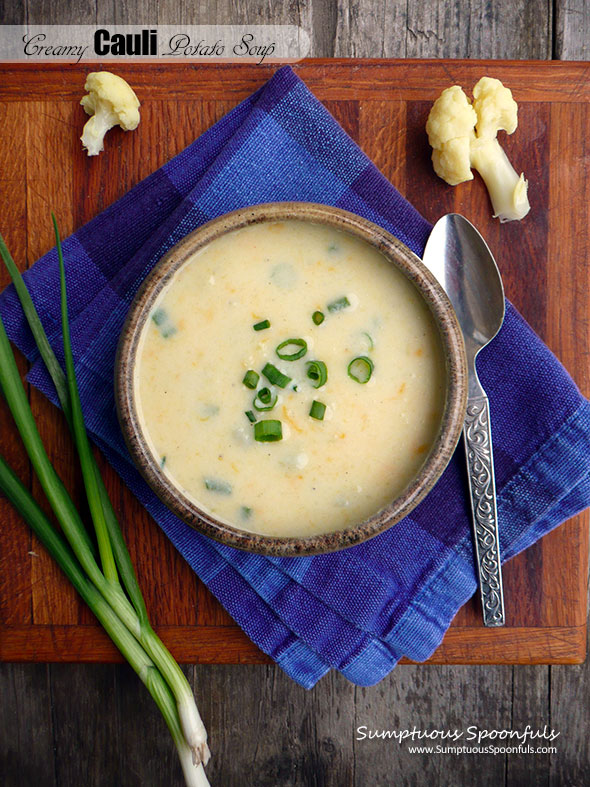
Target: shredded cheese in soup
pixel 290 380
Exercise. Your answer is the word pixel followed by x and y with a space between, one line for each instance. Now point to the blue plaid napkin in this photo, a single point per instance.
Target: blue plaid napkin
pixel 359 610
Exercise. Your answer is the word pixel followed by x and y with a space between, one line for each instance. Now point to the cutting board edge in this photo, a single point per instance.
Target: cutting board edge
pixel 229 645
pixel 223 80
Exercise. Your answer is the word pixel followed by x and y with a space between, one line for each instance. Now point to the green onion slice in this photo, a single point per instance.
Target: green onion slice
pixel 159 316
pixel 268 431
pixel 370 340
pixel 360 369
pixel 339 304
pixel 318 410
pixel 262 325
pixel 246 512
pixel 216 485
pixel 251 379
pixel 250 416
pixel 318 318
pixel 274 376
pixel 162 320
pixel 317 373
pixel 264 400
pixel 291 355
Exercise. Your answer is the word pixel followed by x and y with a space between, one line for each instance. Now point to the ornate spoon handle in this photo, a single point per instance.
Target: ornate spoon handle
pixel 482 485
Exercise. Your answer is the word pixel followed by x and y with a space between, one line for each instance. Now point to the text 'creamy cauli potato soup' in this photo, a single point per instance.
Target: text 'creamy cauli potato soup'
pixel 290 380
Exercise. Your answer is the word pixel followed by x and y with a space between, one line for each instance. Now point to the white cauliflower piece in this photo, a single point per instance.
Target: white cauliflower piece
pixel 463 136
pixel 110 102
pixel 495 108
pixel 450 131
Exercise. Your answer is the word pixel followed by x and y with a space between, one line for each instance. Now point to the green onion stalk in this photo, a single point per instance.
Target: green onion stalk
pixel 27 506
pixel 122 614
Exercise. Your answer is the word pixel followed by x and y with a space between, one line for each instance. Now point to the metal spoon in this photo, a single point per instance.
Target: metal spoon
pixel 461 261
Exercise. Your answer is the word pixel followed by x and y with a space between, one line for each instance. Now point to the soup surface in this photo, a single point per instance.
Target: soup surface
pixel 377 412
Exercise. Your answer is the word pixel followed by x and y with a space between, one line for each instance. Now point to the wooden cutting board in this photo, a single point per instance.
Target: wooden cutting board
pixel 383 105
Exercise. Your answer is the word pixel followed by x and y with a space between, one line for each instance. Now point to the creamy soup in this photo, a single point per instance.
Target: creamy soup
pixel 290 380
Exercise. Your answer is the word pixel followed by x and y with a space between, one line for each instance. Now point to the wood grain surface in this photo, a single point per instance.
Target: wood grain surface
pixel 384 109
pixel 57 719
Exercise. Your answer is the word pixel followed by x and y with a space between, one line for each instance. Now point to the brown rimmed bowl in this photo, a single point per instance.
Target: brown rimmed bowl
pixel 456 376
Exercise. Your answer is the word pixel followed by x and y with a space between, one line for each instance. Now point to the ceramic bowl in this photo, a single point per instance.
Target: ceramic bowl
pixel 452 342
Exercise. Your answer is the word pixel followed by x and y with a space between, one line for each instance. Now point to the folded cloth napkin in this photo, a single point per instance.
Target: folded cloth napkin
pixel 359 610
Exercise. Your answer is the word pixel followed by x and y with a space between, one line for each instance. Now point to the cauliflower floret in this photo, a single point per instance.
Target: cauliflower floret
pixel 495 108
pixel 450 131
pixel 463 136
pixel 452 162
pixel 110 102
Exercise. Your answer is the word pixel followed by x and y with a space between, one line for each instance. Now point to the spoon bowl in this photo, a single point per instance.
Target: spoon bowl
pixel 462 262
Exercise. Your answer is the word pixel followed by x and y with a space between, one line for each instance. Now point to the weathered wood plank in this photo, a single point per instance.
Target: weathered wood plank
pixel 86 721
pixel 572 30
pixel 530 706
pixel 143 748
pixel 446 699
pixel 377 28
pixel 12 12
pixel 136 12
pixel 477 28
pixel 66 12
pixel 323 29
pixel 278 733
pixel 26 729
pixel 254 12
pixel 570 716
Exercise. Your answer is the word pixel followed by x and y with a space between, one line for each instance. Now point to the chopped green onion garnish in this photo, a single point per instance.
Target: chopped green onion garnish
pixel 360 369
pixel 215 485
pixel 163 462
pixel 251 379
pixel 318 317
pixel 317 372
pixel 162 320
pixel 293 355
pixel 250 416
pixel 160 316
pixel 274 376
pixel 264 400
pixel 370 340
pixel 262 325
pixel 338 305
pixel 317 410
pixel 245 512
pixel 268 431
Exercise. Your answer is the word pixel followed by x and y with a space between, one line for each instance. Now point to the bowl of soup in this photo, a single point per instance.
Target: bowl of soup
pixel 291 379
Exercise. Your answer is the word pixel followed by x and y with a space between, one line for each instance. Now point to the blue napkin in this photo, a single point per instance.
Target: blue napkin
pixel 359 610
